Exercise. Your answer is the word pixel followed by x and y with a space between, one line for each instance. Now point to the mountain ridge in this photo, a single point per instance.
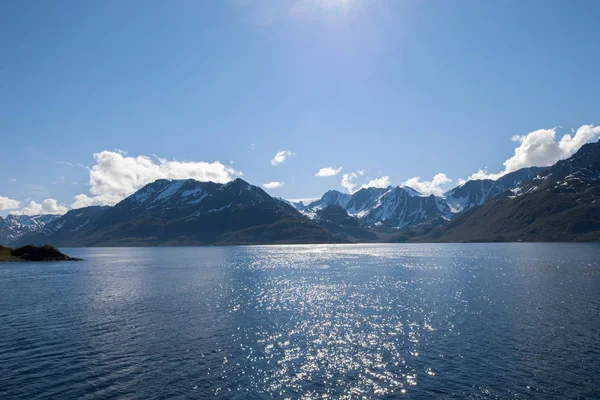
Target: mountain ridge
pixel 558 202
pixel 185 212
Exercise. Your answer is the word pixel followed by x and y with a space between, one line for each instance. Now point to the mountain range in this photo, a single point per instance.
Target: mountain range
pixel 556 203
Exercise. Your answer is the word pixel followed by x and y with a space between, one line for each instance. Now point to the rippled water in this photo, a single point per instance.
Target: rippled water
pixel 310 322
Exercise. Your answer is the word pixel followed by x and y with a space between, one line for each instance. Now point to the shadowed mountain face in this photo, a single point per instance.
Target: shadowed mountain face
pixel 336 220
pixel 561 204
pixel 185 212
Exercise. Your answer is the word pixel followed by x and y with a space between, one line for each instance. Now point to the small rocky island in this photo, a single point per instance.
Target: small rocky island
pixel 34 253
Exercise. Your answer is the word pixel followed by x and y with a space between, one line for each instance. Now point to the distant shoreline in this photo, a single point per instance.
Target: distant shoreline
pixel 319 244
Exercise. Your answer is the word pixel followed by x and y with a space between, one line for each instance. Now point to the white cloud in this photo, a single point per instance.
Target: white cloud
pixel 273 185
pixel 13 180
pixel 70 164
pixel 82 200
pixel 280 157
pixel 48 206
pixel 306 201
pixel 540 148
pixel 116 176
pixel 8 204
pixel 382 182
pixel 348 182
pixel 434 186
pixel 329 171
pixel 484 174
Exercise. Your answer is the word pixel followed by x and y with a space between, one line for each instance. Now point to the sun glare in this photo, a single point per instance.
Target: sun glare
pixel 330 6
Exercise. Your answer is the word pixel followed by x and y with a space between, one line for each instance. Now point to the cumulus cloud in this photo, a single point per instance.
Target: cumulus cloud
pixel 329 171
pixel 349 182
pixel 273 185
pixel 82 200
pixel 48 206
pixel 116 175
pixel 540 148
pixel 435 186
pixel 280 157
pixel 484 174
pixel 8 204
pixel 382 182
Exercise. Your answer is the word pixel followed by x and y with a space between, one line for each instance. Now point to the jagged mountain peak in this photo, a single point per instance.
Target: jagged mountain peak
pixel 391 207
pixel 476 192
pixel 14 226
pixel 586 158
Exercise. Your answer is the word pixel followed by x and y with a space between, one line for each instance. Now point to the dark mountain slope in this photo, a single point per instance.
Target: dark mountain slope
pixel 336 220
pixel 550 214
pixel 186 212
pixel 563 204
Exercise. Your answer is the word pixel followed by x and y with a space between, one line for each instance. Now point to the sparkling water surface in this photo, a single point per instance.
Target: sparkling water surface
pixel 482 321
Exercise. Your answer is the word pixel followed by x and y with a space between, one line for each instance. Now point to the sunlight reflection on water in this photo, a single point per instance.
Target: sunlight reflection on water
pixel 309 322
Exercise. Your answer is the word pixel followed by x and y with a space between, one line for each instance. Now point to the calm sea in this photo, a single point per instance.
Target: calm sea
pixel 485 321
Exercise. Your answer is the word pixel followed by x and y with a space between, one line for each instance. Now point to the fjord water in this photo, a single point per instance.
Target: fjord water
pixel 321 321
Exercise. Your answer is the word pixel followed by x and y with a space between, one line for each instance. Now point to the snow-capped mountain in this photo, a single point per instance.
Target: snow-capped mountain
pixel 185 212
pixel 583 166
pixel 330 198
pixel 364 200
pixel 393 207
pixel 187 198
pixel 560 203
pixel 401 207
pixel 73 221
pixel 476 192
pixel 555 203
pixel 13 227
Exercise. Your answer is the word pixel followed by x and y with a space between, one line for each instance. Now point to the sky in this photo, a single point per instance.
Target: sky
pixel 298 97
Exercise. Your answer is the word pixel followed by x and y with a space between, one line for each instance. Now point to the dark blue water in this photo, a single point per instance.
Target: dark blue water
pixel 344 321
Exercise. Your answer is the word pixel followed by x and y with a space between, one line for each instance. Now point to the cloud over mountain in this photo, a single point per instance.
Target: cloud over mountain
pixel 273 185
pixel 48 206
pixel 382 182
pixel 116 175
pixel 435 186
pixel 540 148
pixel 349 181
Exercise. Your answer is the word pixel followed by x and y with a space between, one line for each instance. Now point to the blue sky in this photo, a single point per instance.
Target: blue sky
pixel 396 89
